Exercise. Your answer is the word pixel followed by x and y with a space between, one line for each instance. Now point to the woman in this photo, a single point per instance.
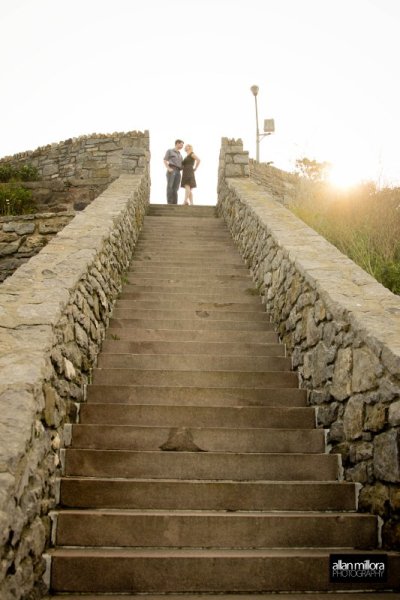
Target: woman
pixel 190 164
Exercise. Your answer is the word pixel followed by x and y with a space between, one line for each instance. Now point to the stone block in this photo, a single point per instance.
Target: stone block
pixel 242 158
pixel 23 228
pixel 353 418
pixel 375 417
pixel 394 413
pixel 366 367
pixel 341 381
pixel 387 456
pixel 49 170
pixel 375 499
pixel 10 248
pixel 233 171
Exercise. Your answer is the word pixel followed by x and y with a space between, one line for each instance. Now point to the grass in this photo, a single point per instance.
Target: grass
pixel 362 222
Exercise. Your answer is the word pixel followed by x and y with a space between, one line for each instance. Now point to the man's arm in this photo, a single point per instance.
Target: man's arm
pixel 166 160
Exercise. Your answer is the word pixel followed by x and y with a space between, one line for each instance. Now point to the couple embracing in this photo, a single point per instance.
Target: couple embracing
pixel 175 163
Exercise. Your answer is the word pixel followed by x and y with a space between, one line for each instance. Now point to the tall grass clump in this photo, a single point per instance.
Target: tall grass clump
pixel 362 222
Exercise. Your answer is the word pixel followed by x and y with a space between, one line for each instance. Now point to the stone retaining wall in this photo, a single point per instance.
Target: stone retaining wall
pixel 53 314
pixel 341 327
pixel 281 185
pixel 24 236
pixel 98 158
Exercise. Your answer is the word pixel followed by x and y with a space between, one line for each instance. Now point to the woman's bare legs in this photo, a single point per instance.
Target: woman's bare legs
pixel 188 195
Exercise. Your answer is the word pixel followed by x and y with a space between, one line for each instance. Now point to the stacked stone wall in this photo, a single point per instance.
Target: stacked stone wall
pixel 96 158
pixel 54 311
pixel 71 175
pixel 22 237
pixel 281 185
pixel 342 329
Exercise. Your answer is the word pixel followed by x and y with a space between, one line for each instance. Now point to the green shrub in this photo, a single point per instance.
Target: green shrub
pixel 28 173
pixel 6 173
pixel 15 200
pixel 25 173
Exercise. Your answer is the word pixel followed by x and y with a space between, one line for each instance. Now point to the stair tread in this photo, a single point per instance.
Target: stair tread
pixel 213 552
pixel 256 596
pixel 223 514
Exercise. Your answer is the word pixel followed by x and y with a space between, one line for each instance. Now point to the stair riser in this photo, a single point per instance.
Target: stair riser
pixel 136 334
pixel 247 301
pixel 200 362
pixel 111 346
pixel 190 324
pixel 195 378
pixel 207 495
pixel 201 465
pixel 213 531
pixel 200 316
pixel 202 574
pixel 199 269
pixel 196 396
pixel 188 305
pixel 212 281
pixel 198 416
pixel 207 440
pixel 237 292
pixel 207 254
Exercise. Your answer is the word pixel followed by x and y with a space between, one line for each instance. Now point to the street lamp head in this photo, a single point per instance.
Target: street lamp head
pixel 254 89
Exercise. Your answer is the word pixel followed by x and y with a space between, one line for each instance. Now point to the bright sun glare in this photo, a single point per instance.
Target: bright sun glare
pixel 343 175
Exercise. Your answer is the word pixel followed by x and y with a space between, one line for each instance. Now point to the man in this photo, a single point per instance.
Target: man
pixel 173 163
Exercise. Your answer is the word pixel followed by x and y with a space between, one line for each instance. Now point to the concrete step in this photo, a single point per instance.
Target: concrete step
pixel 175 303
pixel 192 396
pixel 185 253
pixel 157 237
pixel 190 570
pixel 190 335
pixel 253 596
pixel 197 269
pixel 197 323
pixel 224 379
pixel 152 415
pixel 235 292
pixel 222 296
pixel 225 349
pixel 180 210
pixel 201 465
pixel 193 362
pixel 207 529
pixel 212 281
pixel 184 250
pixel 211 439
pixel 184 314
pixel 171 494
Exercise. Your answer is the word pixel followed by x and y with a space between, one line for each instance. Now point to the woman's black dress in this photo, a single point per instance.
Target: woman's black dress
pixel 188 177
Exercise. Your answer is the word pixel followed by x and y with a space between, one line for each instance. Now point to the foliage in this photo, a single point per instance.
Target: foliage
pixel 311 169
pixel 7 172
pixel 28 173
pixel 15 200
pixel 363 223
pixel 25 173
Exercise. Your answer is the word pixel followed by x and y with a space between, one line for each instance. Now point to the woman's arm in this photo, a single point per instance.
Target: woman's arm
pixel 197 161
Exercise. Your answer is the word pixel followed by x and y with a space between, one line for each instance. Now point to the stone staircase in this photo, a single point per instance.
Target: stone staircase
pixel 196 466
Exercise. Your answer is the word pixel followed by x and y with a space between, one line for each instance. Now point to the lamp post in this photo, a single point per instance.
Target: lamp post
pixel 254 89
pixel 269 124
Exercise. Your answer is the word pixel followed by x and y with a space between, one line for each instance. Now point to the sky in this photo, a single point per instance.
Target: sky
pixel 327 72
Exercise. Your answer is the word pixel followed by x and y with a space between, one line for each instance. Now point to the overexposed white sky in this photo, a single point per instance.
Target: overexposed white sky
pixel 327 72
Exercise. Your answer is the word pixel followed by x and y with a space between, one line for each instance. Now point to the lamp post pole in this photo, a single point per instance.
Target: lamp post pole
pixel 254 89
